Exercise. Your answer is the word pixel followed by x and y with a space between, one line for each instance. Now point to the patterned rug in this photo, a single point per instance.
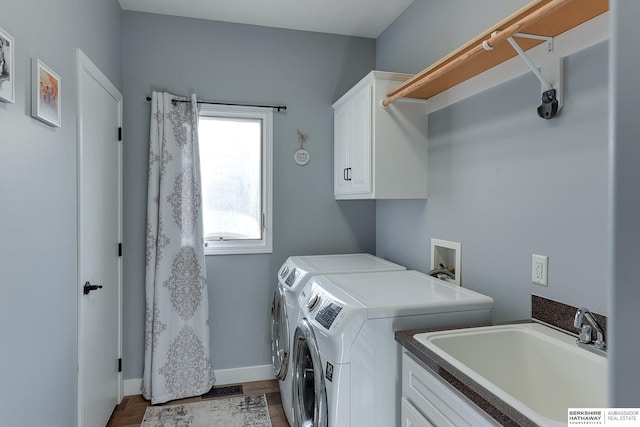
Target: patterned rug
pixel 241 411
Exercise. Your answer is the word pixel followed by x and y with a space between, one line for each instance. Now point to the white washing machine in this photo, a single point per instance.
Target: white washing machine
pixel 292 277
pixel 346 363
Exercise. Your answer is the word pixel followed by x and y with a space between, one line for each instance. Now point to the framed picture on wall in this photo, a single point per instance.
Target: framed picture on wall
pixel 45 91
pixel 7 75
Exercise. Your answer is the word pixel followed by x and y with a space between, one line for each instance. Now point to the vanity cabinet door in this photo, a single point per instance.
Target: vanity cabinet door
pixel 436 400
pixel 411 417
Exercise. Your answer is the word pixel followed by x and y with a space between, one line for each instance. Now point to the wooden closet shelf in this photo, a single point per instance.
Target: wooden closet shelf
pixel 540 17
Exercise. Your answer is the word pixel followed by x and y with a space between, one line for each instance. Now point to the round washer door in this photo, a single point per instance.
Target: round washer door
pixel 279 334
pixel 309 393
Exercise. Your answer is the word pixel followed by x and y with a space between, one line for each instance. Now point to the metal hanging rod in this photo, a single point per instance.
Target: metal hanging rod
pixel 275 107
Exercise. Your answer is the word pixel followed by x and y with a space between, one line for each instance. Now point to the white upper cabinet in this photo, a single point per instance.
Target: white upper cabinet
pixel 380 152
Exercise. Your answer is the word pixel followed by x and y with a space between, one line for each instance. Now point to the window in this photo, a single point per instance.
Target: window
pixel 235 168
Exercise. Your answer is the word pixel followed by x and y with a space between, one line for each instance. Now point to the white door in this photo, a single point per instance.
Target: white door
pixel 99 235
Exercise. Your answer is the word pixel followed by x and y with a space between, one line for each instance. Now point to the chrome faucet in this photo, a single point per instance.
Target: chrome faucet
pixel 584 331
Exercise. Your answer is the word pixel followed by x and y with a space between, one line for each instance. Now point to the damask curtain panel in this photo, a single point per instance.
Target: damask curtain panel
pixel 177 356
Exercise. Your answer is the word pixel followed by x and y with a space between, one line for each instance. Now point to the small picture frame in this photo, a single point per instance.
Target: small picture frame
pixel 46 92
pixel 7 67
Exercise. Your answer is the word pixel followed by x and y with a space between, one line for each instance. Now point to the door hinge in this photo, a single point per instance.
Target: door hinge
pixel 119 249
pixel 120 133
pixel 120 365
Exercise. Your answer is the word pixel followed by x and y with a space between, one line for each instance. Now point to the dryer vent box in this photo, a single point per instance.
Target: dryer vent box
pixel 447 254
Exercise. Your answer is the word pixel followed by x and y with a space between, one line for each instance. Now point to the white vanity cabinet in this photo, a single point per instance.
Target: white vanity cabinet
pixel 429 401
pixel 380 152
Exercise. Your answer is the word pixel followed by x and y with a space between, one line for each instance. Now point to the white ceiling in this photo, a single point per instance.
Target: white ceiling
pixel 364 18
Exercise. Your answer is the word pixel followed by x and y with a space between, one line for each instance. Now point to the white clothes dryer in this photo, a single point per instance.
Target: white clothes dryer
pixel 292 277
pixel 346 363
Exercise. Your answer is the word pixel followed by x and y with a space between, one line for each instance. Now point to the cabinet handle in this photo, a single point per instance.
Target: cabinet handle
pixel 348 174
pixel 344 174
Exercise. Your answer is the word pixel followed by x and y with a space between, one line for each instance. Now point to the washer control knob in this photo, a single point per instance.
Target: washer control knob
pixel 284 272
pixel 313 302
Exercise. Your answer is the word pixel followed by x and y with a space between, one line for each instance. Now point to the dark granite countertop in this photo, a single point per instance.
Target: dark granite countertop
pixel 484 399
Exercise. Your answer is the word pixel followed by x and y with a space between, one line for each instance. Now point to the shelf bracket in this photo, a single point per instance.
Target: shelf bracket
pixel 547 39
pixel 551 93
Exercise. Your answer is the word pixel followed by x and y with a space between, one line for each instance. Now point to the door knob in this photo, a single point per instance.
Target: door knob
pixel 88 287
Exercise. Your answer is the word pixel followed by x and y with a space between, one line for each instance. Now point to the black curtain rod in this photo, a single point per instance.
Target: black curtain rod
pixel 275 107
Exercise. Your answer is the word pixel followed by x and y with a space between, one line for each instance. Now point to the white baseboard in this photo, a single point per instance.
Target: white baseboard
pixel 244 375
pixel 132 386
pixel 223 376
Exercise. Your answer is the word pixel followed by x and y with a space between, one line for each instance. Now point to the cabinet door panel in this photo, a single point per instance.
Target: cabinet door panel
pixel 341 147
pixel 411 417
pixel 360 142
pixel 437 400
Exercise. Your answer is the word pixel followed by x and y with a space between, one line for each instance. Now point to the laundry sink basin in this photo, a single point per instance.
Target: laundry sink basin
pixel 535 369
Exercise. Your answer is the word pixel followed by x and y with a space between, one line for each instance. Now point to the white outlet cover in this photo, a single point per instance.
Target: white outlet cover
pixel 539 269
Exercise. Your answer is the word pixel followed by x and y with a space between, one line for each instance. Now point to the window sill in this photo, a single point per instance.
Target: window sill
pixel 236 250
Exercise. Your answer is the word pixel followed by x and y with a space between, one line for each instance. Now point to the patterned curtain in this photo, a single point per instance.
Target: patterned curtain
pixel 177 361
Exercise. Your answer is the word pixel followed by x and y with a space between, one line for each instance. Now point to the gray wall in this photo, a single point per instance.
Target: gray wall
pixel 502 181
pixel 241 63
pixel 39 283
pixel 624 375
pixel 431 29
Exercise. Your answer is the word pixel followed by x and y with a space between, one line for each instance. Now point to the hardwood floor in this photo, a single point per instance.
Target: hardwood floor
pixel 130 412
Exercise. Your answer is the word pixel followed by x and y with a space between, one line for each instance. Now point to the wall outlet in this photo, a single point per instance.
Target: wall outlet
pixel 539 269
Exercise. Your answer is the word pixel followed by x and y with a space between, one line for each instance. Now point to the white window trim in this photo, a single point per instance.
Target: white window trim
pixel 265 245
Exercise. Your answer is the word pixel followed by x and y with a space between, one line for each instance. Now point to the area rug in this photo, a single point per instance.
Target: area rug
pixel 241 411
